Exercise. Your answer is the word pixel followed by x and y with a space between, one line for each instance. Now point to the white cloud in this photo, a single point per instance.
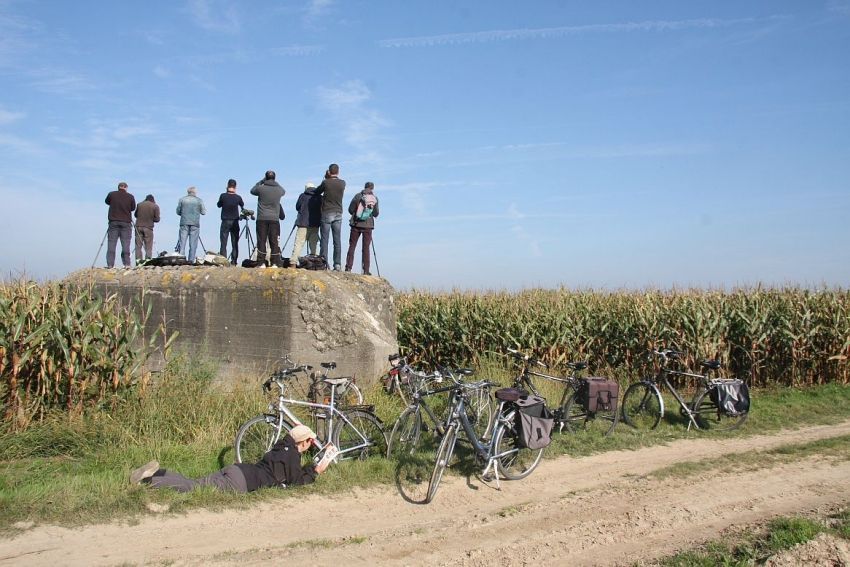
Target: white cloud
pixel 297 50
pixel 361 125
pixel 7 116
pixel 20 145
pixel 214 15
pixel 562 31
pixel 161 72
pixel 60 81
pixel 315 9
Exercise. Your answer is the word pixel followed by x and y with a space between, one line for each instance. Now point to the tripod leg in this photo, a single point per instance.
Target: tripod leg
pixel 375 255
pixel 99 248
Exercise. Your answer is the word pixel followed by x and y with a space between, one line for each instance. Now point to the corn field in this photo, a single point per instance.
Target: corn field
pixel 788 337
pixel 63 348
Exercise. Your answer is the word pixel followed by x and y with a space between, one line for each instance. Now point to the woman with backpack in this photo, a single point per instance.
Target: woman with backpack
pixel 363 210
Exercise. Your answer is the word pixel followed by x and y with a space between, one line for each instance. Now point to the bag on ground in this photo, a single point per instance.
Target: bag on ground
pixel 732 396
pixel 534 422
pixel 599 394
pixel 312 262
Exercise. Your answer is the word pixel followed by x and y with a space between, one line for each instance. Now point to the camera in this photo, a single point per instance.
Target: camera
pixel 246 214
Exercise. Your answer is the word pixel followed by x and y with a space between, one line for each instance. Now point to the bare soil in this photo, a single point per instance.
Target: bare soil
pixel 597 510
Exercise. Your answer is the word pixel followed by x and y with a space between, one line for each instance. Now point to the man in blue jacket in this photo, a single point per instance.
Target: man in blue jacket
pixel 309 207
pixel 190 208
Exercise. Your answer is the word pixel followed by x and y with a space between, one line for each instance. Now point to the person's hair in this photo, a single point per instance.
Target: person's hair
pixel 269 175
pixel 150 198
pixel 369 185
pixel 231 183
pixel 192 191
pixel 122 185
pixel 333 169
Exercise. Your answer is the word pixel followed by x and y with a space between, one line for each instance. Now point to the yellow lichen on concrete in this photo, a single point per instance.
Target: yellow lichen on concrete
pixel 187 277
pixel 320 285
pixel 166 279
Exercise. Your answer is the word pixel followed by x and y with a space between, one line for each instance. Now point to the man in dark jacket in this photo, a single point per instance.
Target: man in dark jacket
pixel 230 204
pixel 332 189
pixel 309 207
pixel 121 204
pixel 147 214
pixel 269 210
pixel 363 210
pixel 281 466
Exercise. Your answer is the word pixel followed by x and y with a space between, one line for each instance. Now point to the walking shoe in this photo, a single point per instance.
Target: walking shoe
pixel 144 472
pixel 367 273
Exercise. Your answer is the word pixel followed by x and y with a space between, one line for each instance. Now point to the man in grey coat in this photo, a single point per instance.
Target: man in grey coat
pixel 269 214
pixel 147 214
pixel 190 208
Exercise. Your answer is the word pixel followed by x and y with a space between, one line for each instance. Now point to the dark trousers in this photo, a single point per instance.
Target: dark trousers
pixel 122 230
pixel 228 479
pixel 268 230
pixel 353 237
pixel 144 237
pixel 230 227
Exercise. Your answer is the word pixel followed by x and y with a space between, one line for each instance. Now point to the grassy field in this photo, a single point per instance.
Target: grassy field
pixel 73 470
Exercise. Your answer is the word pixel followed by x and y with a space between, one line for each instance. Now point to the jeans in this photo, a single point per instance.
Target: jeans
pixel 116 230
pixel 352 246
pixel 302 234
pixel 191 233
pixel 144 237
pixel 332 222
pixel 230 227
pixel 268 230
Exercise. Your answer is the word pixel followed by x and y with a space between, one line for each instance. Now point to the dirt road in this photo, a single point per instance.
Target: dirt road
pixel 599 510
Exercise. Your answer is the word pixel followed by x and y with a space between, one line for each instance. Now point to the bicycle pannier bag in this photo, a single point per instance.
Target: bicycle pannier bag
pixel 732 397
pixel 534 422
pixel 600 394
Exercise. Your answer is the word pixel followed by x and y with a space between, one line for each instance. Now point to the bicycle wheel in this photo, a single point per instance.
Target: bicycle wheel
pixel 479 410
pixel 405 434
pixel 350 395
pixel 257 436
pixel 361 436
pixel 516 461
pixel 642 406
pixel 444 455
pixel 576 418
pixel 708 415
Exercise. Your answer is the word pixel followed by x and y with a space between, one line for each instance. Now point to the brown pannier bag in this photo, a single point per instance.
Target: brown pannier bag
pixel 600 394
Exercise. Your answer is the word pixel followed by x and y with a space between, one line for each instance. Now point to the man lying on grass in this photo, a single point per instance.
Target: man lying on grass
pixel 281 466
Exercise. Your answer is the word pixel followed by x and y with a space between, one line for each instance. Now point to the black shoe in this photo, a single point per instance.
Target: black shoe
pixel 367 273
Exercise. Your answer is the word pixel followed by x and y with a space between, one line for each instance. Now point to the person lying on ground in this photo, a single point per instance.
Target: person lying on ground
pixel 281 466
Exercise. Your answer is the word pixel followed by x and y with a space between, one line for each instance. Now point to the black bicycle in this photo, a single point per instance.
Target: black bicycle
pixel 577 410
pixel 719 403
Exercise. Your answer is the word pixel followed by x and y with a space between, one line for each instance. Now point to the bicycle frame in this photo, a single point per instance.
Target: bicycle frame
pixel 484 451
pixel 283 410
pixel 663 376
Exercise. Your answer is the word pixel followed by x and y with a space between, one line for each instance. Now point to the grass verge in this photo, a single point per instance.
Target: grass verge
pixel 756 545
pixel 74 471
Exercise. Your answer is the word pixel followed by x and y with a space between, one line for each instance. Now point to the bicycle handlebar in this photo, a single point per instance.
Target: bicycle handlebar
pixel 526 358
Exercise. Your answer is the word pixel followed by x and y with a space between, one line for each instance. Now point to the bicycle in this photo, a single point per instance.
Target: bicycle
pixel 355 430
pixel 643 404
pixel 503 453
pixel 409 426
pixel 571 411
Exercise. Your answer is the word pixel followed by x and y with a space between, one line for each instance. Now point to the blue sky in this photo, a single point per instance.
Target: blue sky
pixel 512 144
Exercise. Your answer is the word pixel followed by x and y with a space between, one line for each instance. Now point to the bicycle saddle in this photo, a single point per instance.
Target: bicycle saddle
pixel 577 365
pixel 464 371
pixel 336 381
pixel 710 364
pixel 328 365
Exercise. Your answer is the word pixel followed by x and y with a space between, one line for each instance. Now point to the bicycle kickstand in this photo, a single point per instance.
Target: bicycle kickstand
pixel 492 465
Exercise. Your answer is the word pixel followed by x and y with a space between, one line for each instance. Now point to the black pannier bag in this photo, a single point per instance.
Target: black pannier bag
pixel 599 394
pixel 731 396
pixel 534 422
pixel 312 262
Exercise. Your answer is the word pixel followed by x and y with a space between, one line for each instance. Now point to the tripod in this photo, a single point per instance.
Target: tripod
pixel 246 230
